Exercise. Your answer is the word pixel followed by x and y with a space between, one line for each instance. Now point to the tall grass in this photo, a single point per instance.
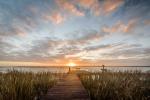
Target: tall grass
pixel 16 85
pixel 117 85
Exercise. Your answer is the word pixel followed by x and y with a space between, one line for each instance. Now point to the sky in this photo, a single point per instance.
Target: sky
pixel 86 32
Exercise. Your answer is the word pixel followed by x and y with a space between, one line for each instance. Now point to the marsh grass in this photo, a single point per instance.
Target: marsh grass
pixel 16 85
pixel 117 85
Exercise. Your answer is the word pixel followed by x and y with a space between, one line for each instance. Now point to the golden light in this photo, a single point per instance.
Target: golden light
pixel 71 64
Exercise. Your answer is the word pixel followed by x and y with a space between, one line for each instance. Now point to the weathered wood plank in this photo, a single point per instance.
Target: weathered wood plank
pixel 70 88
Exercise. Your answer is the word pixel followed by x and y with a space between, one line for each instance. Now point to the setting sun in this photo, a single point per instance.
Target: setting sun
pixel 71 64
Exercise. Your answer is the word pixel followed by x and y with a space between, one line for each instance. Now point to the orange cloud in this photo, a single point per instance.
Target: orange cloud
pixel 96 6
pixel 20 31
pixel 87 3
pixel 66 5
pixel 22 34
pixel 56 18
pixel 147 22
pixel 121 27
pixel 111 5
pixel 91 4
pixel 129 27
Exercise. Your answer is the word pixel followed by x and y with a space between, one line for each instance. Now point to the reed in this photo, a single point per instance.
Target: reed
pixel 117 85
pixel 16 85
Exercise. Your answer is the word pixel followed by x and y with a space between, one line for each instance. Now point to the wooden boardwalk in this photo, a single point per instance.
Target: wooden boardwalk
pixel 69 88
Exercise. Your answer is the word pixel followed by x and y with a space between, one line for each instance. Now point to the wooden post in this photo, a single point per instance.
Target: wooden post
pixel 103 68
pixel 69 69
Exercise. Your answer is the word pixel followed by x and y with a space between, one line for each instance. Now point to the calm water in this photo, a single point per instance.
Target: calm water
pixel 116 69
pixel 65 69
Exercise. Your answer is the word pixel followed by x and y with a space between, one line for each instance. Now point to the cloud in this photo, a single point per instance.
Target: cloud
pixel 111 5
pixel 17 25
pixel 97 47
pixel 121 27
pixel 90 37
pixel 129 27
pixel 87 3
pixel 68 6
pixel 147 22
pixel 99 7
pixel 85 37
pixel 57 50
pixel 56 18
pixel 4 48
pixel 47 48
pixel 113 51
pixel 124 62
pixel 27 35
pixel 130 53
pixel 95 6
pixel 132 9
pixel 90 4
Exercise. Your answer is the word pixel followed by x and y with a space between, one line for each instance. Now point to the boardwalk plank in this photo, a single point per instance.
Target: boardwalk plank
pixel 70 88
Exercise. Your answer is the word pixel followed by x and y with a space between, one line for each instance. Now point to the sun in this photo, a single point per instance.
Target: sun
pixel 71 64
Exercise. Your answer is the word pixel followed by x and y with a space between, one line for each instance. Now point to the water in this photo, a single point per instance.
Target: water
pixel 116 69
pixel 65 69
pixel 34 69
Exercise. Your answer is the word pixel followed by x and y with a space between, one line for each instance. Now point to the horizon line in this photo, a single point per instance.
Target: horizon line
pixel 80 66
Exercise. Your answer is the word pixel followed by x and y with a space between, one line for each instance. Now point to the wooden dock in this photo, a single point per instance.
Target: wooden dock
pixel 69 88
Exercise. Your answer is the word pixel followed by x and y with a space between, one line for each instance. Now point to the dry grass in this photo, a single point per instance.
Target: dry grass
pixel 117 86
pixel 25 85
